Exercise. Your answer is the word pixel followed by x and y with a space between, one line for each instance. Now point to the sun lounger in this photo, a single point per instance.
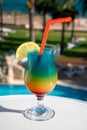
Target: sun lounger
pixel 75 71
pixel 80 69
pixel 70 74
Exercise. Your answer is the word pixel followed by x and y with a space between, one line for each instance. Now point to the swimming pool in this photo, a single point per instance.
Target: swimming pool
pixel 58 91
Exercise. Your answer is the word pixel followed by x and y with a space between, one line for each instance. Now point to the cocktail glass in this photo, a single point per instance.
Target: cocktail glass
pixel 40 78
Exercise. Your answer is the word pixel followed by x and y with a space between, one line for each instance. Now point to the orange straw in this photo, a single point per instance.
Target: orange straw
pixel 45 35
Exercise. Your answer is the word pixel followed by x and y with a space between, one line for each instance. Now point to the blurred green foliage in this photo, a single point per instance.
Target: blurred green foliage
pixel 13 40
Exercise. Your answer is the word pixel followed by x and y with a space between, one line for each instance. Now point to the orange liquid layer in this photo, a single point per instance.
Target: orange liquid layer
pixel 42 86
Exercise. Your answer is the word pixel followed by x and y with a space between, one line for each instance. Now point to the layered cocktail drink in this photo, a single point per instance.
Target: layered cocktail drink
pixel 40 78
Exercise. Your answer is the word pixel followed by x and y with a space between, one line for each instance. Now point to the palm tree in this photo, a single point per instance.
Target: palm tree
pixel 43 7
pixel 73 12
pixel 62 9
pixel 30 6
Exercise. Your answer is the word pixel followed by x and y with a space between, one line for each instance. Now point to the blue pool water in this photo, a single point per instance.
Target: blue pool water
pixel 58 91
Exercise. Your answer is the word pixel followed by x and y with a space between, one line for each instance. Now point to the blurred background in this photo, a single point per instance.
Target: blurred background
pixel 25 20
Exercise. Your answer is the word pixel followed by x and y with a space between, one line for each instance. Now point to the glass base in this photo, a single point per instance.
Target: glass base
pixel 40 113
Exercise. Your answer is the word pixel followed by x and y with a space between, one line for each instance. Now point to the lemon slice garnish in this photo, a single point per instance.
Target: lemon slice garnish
pixel 24 48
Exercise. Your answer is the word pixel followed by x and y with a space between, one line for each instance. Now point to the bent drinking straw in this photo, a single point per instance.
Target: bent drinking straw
pixel 45 35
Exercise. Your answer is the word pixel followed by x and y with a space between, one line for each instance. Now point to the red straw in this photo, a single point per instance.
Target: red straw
pixel 45 35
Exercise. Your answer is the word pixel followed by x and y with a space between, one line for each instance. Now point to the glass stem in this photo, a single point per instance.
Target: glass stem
pixel 40 101
pixel 40 109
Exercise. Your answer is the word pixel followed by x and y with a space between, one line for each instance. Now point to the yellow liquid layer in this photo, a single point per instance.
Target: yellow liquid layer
pixel 41 85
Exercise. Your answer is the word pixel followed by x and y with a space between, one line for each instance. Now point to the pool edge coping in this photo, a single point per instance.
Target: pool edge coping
pixel 72 85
